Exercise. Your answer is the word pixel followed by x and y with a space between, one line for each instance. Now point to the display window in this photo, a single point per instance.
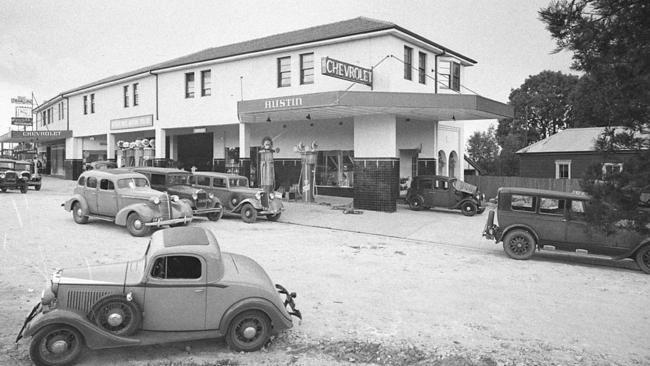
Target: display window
pixel 335 168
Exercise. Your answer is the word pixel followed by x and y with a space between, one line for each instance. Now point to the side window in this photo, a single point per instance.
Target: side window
pixel 106 185
pixel 91 182
pixel 522 203
pixel 577 209
pixel 442 184
pixel 551 206
pixel 192 179
pixel 81 181
pixel 219 182
pixel 203 181
pixel 157 179
pixel 176 267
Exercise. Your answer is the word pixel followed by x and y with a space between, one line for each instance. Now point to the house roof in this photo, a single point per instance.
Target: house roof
pixel 569 140
pixel 351 27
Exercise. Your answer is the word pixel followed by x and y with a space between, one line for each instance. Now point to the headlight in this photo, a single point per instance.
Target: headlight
pixel 195 196
pixel 2 175
pixel 174 198
pixel 258 195
pixel 155 200
pixel 47 296
pixel 211 196
pixel 271 195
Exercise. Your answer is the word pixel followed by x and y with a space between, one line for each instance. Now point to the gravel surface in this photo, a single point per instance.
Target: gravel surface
pixel 390 289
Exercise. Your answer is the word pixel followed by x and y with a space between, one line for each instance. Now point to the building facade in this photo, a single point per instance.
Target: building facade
pixel 374 101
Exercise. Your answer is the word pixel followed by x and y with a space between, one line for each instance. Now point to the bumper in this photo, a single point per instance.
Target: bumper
pixel 289 303
pixel 35 311
pixel 161 222
pixel 206 211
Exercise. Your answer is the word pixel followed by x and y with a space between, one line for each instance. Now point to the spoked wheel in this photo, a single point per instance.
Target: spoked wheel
pixel 248 213
pixel 78 214
pixel 249 331
pixel 519 244
pixel 37 187
pixel 56 345
pixel 136 225
pixel 23 189
pixel 643 259
pixel 468 208
pixel 117 315
pixel 416 203
pixel 215 216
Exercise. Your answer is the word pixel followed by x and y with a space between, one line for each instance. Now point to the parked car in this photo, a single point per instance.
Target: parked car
pixel 535 219
pixel 428 191
pixel 177 182
pixel 125 198
pixel 101 165
pixel 10 178
pixel 238 198
pixel 30 172
pixel 183 288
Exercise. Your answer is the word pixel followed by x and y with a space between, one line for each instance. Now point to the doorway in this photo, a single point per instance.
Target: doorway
pixel 195 150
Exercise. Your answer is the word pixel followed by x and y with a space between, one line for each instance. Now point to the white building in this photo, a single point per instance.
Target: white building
pixel 380 101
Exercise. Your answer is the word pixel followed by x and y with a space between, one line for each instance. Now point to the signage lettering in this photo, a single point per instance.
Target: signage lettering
pixel 282 103
pixel 132 122
pixel 21 100
pixel 21 121
pixel 18 136
pixel 345 71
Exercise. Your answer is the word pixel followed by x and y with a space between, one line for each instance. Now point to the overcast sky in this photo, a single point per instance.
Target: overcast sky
pixel 47 47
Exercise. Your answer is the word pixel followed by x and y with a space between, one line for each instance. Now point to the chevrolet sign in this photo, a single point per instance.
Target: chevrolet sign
pixel 345 71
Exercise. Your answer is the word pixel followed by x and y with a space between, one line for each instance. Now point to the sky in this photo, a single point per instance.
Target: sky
pixel 47 47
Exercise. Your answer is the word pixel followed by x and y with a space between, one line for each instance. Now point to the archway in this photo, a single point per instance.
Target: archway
pixel 453 164
pixel 442 162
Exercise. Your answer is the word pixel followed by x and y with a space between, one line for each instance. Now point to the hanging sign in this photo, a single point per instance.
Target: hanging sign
pixel 345 71
pixel 21 121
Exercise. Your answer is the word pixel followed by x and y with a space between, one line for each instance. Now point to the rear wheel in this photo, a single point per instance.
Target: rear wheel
pixel 56 345
pixel 37 187
pixel 215 216
pixel 519 244
pixel 136 225
pixel 78 214
pixel 275 217
pixel 3 189
pixel 117 315
pixel 248 213
pixel 23 189
pixel 643 259
pixel 468 208
pixel 249 331
pixel 416 203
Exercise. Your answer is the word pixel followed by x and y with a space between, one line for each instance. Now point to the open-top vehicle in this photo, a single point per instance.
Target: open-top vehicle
pixel 183 288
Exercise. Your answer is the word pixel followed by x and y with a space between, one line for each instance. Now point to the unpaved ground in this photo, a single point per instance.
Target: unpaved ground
pixel 365 298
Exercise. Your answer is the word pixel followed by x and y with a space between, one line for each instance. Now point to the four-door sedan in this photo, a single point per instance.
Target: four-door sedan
pixel 237 197
pixel 534 219
pixel 438 191
pixel 183 288
pixel 125 198
pixel 177 182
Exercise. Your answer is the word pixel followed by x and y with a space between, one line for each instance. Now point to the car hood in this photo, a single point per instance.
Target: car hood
pixel 113 274
pixel 459 185
pixel 245 190
pixel 241 269
pixel 182 190
pixel 144 193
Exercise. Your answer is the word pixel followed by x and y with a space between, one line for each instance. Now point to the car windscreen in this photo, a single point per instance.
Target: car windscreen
pixel 178 179
pixel 6 165
pixel 132 183
pixel 238 182
pixel 22 167
pixel 135 271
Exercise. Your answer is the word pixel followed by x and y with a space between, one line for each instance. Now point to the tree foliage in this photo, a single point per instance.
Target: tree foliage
pixel 482 147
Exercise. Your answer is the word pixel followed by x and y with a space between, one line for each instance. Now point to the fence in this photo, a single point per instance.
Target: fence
pixel 490 184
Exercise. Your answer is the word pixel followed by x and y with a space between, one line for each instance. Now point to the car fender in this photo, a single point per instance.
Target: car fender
pixel 632 252
pixel 253 202
pixel 77 198
pixel 140 208
pixel 506 230
pixel 94 337
pixel 467 199
pixel 278 319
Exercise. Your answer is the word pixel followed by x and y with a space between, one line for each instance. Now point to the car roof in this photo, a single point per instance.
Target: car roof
pixel 433 176
pixel 543 192
pixel 5 159
pixel 217 174
pixel 159 170
pixel 113 173
pixel 190 239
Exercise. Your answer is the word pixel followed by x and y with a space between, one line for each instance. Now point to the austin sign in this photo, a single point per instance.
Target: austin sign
pixel 345 71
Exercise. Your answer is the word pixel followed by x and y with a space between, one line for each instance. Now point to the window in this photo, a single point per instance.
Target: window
pixel 91 182
pixel 203 181
pixel 426 184
pixel 422 68
pixel 106 185
pixel 449 75
pixel 612 168
pixel 551 206
pixel 85 104
pixel 62 110
pixel 307 68
pixel 136 96
pixel 335 168
pixel 92 103
pixel 455 77
pixel 442 184
pixel 189 85
pixel 177 267
pixel 219 182
pixel 522 203
pixel 284 72
pixel 562 169
pixel 126 96
pixel 44 118
pixel 157 179
pixel 206 83
pixel 408 62
pixel 81 181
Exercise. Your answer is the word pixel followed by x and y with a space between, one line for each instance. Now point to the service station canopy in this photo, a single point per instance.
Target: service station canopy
pixel 345 104
pixel 35 136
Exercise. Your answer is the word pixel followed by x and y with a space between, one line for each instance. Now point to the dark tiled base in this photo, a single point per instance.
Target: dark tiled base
pixel 72 168
pixel 427 166
pixel 376 184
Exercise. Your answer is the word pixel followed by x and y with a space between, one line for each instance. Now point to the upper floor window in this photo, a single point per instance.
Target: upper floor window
pixel 206 83
pixel 455 76
pixel 126 96
pixel 189 85
pixel 450 75
pixel 284 71
pixel 85 104
pixel 92 103
pixel 422 67
pixel 44 118
pixel 562 169
pixel 612 168
pixel 307 68
pixel 408 62
pixel 136 95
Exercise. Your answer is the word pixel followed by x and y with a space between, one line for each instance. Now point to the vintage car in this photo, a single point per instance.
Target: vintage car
pixel 177 182
pixel 101 165
pixel 29 171
pixel 183 288
pixel 238 198
pixel 10 178
pixel 428 191
pixel 535 219
pixel 125 198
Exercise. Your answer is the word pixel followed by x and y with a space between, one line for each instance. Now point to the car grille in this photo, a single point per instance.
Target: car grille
pixel 84 300
pixel 202 200
pixel 11 176
pixel 165 207
pixel 264 199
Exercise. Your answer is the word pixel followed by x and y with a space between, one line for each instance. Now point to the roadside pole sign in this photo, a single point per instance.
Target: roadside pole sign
pixel 21 121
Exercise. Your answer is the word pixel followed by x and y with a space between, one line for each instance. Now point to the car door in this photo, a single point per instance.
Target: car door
pixel 219 187
pixel 580 235
pixel 91 195
pixel 440 193
pixel 175 293
pixel 551 223
pixel 106 198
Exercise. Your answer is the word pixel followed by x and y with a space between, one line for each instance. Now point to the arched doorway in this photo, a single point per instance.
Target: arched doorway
pixel 453 164
pixel 442 162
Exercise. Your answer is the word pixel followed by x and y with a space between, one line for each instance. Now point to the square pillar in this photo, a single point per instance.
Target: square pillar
pixel 244 140
pixel 110 147
pixel 73 163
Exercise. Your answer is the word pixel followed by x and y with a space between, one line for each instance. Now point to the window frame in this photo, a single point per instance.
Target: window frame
pixel 422 68
pixel 206 87
pixel 92 103
pixel 558 169
pixel 281 72
pixel 408 63
pixel 136 95
pixel 189 84
pixel 560 206
pixel 125 91
pixel 85 104
pixel 454 76
pixel 304 76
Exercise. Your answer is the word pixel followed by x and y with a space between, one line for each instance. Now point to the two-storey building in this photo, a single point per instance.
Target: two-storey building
pixel 379 101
